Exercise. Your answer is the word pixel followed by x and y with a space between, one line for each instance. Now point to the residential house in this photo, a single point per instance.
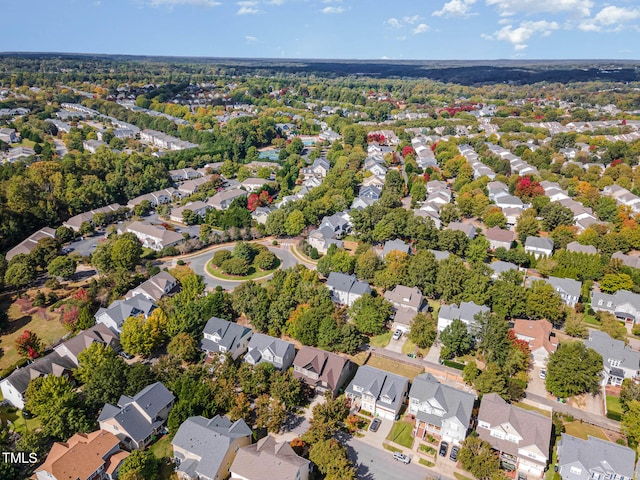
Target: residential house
pixel 19 153
pixel 322 371
pixel 152 236
pixel 154 198
pixel 407 302
pixel 360 203
pixel 312 182
pixel 99 333
pixel 222 200
pixel 90 456
pixel 587 249
pixel 264 348
pixel 28 244
pixel 339 222
pixel 509 201
pixel 75 222
pixel 619 360
pixel 539 247
pixel 15 385
pixel 269 459
pixel 260 214
pixel 499 238
pixel 322 238
pixel 395 245
pixel 372 192
pixel 466 313
pixel 9 135
pixel 467 229
pixel 499 267
pixel 199 208
pixel 346 289
pixel 222 336
pixel 156 287
pixel 204 449
pixel 378 392
pixel 191 186
pixel 115 314
pixel 183 174
pixel 624 304
pixel 92 146
pixel 627 260
pixel 594 459
pixel 318 169
pixel 522 437
pixel 440 255
pixel 540 337
pixel 137 420
pixel 253 184
pixel 440 410
pixel 568 289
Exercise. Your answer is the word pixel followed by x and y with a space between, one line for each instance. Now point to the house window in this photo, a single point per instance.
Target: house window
pixel 614 363
pixel 608 304
pixel 600 302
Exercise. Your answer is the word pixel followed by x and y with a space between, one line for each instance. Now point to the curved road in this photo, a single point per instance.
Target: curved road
pixel 198 261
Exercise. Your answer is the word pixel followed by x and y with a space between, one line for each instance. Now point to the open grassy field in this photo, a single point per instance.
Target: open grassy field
pixel 20 424
pixel 49 329
pixel 392 366
pixel 382 340
pixel 583 430
pixel 526 406
pixel 401 434
pixel 614 409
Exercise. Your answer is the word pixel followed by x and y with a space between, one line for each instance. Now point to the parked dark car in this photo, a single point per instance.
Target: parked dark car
pixel 375 424
pixel 454 453
pixel 124 354
pixel 444 446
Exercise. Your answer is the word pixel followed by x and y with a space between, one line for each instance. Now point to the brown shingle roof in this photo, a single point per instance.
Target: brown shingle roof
pixel 540 333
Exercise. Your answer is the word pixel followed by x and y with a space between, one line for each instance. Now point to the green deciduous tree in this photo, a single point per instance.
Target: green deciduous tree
pixel 573 369
pixel 423 330
pixel 370 314
pixel 456 339
pixel 477 457
pixel 63 267
pixel 294 223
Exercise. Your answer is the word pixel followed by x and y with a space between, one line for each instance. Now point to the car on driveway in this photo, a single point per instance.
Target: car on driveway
pixel 444 446
pixel 375 424
pixel 543 374
pixel 522 476
pixel 454 453
pixel 397 334
pixel 401 457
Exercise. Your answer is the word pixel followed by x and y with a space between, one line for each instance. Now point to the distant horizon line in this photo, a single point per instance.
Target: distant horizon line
pixel 306 59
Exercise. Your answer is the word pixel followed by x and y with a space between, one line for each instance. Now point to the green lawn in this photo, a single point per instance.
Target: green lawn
pixel 391 448
pixel 254 273
pixel 392 366
pixel 614 408
pixel 401 434
pixel 591 320
pixel 49 331
pixel 410 347
pixel 381 341
pixel 435 307
pixel 20 424
pixel 162 450
pixel 550 473
pixel 426 463
pixel 583 430
pixel 526 406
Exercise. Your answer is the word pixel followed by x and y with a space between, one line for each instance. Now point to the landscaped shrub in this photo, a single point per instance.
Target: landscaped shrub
pixel 220 257
pixel 236 266
pixel 265 260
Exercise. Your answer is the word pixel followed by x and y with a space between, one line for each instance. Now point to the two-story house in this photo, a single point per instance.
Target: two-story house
pixel 538 246
pixel 379 392
pixel 540 337
pixel 567 288
pixel 466 313
pixel 594 459
pixel 322 371
pixel 619 360
pixel 135 420
pixel 440 410
pixel 407 302
pixel 91 456
pixel 269 459
pixel 204 449
pixel 264 348
pixel 156 287
pixel 499 238
pixel 115 315
pixel 99 333
pixel 522 437
pixel 222 336
pixel 346 289
pixel 624 304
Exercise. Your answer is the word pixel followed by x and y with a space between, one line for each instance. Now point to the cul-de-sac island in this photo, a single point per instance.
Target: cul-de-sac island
pixel 268 270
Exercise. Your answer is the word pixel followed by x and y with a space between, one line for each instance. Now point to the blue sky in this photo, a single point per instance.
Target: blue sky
pixel 358 29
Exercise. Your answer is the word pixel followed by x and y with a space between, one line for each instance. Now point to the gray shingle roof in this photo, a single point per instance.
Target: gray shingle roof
pixel 209 440
pixel 51 364
pixel 386 388
pixel 539 243
pixel 615 349
pixel 343 282
pixel 260 343
pixel 617 299
pixel 268 459
pixel 566 285
pixel 499 267
pixel 578 248
pixel 466 311
pixel 594 454
pixel 120 310
pixel 228 332
pixel 455 402
pixel 392 245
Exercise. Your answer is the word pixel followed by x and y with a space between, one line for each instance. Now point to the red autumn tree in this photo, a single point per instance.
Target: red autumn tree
pixel 375 137
pixel 28 345
pixel 408 150
pixel 521 345
pixel 527 188
pixel 70 317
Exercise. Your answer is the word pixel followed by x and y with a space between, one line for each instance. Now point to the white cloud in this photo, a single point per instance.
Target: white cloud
pixel 394 23
pixel 520 35
pixel 248 8
pixel 412 20
pixel 610 18
pixel 510 7
pixel 171 3
pixel 250 39
pixel 420 28
pixel 330 10
pixel 455 8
